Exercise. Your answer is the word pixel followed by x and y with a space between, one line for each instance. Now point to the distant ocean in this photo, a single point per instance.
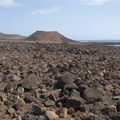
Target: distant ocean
pixel 115 45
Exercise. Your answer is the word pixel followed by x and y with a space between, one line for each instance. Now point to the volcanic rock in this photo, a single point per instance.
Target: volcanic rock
pixel 49 103
pixel 11 111
pixel 36 110
pixel 20 90
pixel 61 81
pixel 16 78
pixel 63 112
pixel 2 86
pixel 30 82
pixel 118 106
pixel 29 116
pixel 72 101
pixel 110 111
pixel 92 95
pixel 51 115
pixel 3 97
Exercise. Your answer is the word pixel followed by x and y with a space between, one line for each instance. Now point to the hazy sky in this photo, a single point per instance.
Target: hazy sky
pixel 77 19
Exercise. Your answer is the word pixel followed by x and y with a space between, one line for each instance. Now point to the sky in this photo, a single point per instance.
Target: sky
pixel 76 19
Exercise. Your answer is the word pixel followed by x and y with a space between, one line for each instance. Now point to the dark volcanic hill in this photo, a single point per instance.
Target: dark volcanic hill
pixel 50 37
pixel 10 37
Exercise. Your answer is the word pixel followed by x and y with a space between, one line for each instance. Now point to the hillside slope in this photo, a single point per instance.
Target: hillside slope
pixel 49 37
pixel 10 36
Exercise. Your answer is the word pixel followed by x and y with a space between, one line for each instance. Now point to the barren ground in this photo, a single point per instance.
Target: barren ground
pixel 59 82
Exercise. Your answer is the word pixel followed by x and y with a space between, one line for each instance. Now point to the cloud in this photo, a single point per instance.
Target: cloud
pixel 47 11
pixel 89 2
pixel 10 3
pixel 94 2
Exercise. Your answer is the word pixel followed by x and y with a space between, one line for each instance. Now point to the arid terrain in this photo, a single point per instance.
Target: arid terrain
pixel 50 37
pixel 4 36
pixel 59 81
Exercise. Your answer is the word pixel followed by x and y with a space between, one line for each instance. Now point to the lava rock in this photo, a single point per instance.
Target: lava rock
pixel 49 103
pixel 11 87
pixel 92 95
pixel 2 86
pixel 30 82
pixel 3 97
pixel 11 111
pixel 16 78
pixel 115 75
pixel 110 111
pixel 29 116
pixel 29 98
pixel 36 110
pixel 63 112
pixel 64 80
pixel 74 102
pixel 118 106
pixel 7 78
pixel 20 90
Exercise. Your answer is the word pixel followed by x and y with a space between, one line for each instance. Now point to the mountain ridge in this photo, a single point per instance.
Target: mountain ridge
pixel 4 36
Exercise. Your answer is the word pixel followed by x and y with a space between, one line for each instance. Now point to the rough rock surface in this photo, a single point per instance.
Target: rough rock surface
pixel 59 82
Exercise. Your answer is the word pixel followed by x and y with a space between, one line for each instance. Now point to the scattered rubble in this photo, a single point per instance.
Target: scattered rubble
pixel 59 82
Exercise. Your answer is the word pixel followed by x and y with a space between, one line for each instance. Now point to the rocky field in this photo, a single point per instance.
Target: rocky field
pixel 59 82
